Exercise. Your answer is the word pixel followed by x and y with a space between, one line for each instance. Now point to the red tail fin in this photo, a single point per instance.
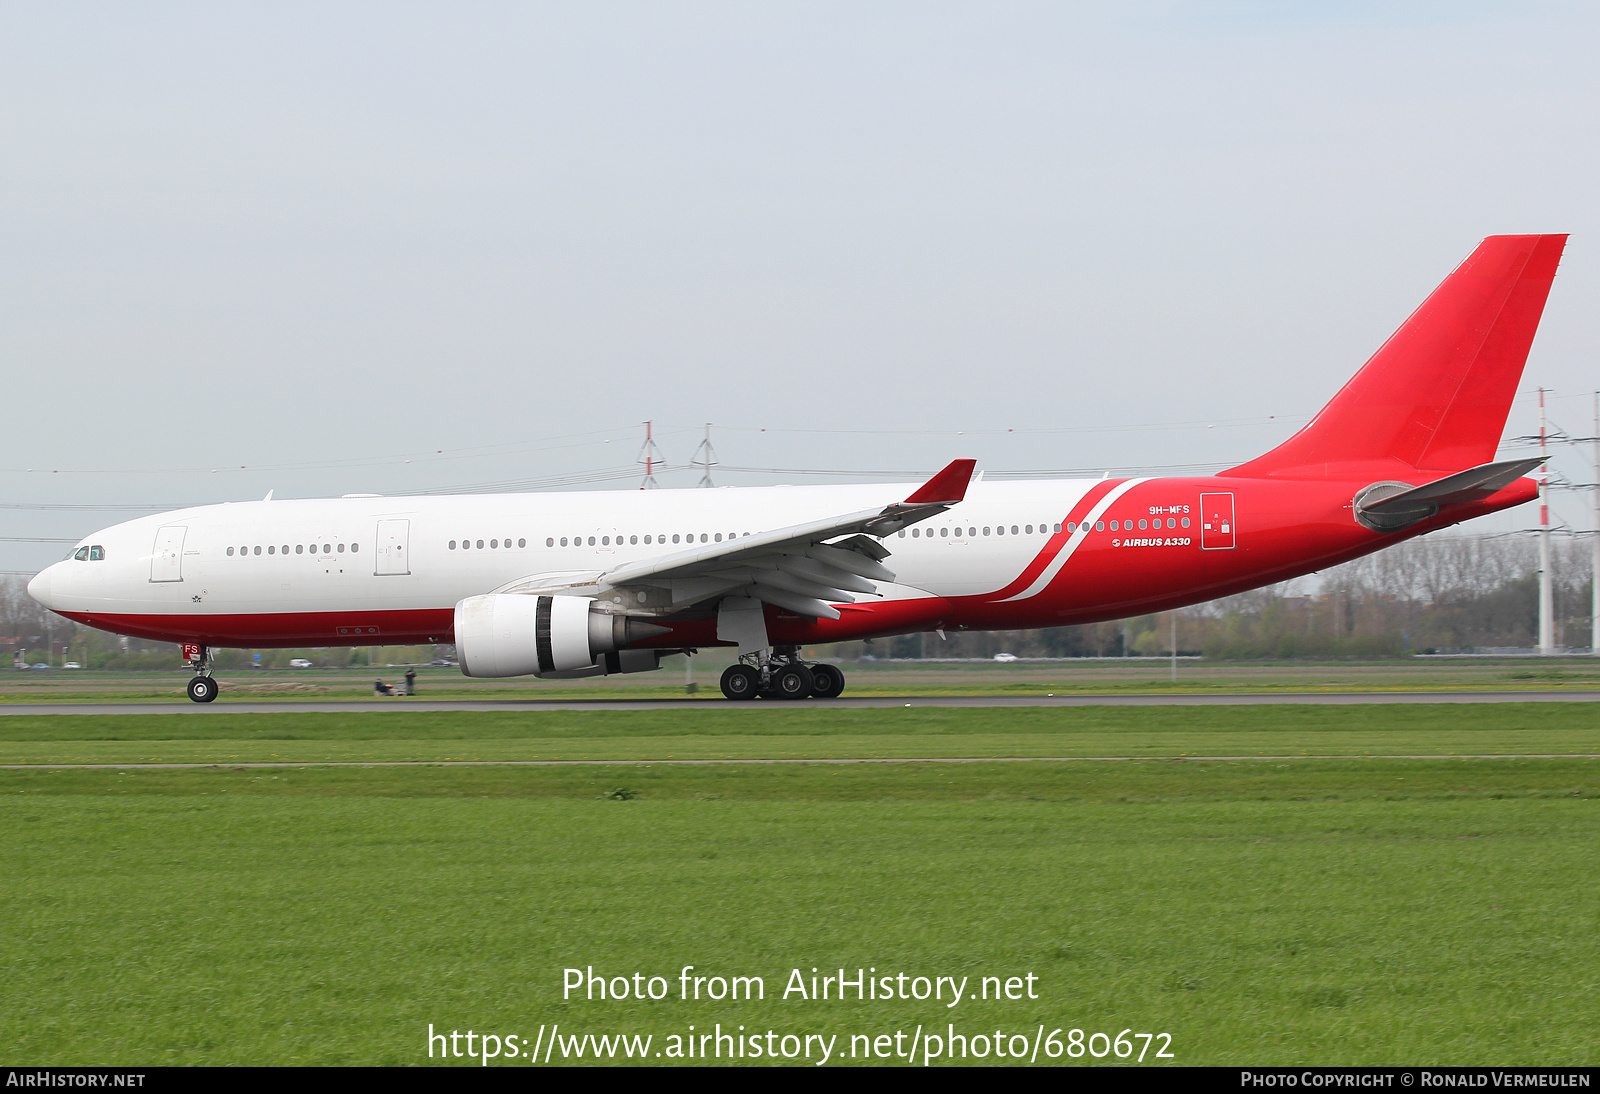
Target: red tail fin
pixel 1436 395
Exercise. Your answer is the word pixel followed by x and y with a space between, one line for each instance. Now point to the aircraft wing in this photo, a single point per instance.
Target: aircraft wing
pixel 805 568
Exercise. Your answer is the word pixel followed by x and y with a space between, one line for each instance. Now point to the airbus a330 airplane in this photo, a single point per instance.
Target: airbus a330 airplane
pixel 580 584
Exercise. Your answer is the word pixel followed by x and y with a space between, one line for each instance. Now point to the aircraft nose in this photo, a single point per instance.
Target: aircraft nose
pixel 39 587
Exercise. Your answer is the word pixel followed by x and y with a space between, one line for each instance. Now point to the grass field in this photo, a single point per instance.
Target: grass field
pixel 804 731
pixel 1335 910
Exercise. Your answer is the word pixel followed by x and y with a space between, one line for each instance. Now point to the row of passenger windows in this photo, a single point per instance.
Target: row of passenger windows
pixel 1000 530
pixel 298 548
pixel 1027 529
pixel 494 544
pixel 718 537
pixel 598 541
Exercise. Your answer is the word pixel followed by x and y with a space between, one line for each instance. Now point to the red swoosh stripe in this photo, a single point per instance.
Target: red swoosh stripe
pixel 1057 541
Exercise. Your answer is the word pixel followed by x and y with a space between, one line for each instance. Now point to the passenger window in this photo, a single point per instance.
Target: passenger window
pixel 1143 525
pixel 1099 526
pixel 341 548
pixel 563 541
pixel 480 545
pixel 327 549
pixel 258 550
pixel 647 541
pixel 285 548
pixel 915 533
pixel 674 538
pixel 1028 529
pixel 230 552
pixel 633 540
pixel 1172 522
pixel 549 541
pixel 972 532
pixel 719 537
pixel 1186 522
pixel 1014 529
pixel 272 550
pixel 355 548
pixel 522 543
pixel 493 544
pixel 943 532
pixel 1058 526
pixel 1113 526
pixel 452 545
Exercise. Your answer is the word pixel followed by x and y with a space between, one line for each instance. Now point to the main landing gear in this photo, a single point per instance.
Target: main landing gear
pixel 202 689
pixel 781 676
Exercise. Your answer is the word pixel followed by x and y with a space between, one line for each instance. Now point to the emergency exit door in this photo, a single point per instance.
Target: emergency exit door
pixel 394 548
pixel 166 557
pixel 1217 529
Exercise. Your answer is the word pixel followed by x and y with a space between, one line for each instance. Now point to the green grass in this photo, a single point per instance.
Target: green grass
pixel 1338 911
pixel 809 731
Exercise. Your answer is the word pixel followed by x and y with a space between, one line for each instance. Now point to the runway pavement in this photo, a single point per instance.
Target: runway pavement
pixel 468 706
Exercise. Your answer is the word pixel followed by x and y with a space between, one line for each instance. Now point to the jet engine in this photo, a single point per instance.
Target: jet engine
pixel 510 634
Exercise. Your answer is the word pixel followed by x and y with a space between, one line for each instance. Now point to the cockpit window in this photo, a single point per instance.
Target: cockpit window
pixel 81 554
pixel 97 553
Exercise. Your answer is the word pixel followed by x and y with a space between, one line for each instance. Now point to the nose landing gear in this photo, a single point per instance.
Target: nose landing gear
pixel 202 689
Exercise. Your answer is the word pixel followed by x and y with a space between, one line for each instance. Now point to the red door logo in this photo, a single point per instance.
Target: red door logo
pixel 1216 522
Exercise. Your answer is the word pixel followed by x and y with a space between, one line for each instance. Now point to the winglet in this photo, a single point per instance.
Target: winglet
pixel 947 487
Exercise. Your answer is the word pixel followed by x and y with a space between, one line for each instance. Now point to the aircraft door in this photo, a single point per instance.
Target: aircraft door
pixel 393 556
pixel 1217 527
pixel 166 557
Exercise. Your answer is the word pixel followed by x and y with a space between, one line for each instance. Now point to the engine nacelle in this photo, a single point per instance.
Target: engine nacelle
pixel 509 634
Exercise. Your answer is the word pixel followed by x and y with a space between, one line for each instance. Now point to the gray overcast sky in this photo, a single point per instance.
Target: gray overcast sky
pixel 315 240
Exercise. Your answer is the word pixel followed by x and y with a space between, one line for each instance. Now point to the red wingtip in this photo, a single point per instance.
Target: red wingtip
pixel 947 487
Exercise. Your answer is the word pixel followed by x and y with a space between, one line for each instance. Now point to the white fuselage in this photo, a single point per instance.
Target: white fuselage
pixel 210 570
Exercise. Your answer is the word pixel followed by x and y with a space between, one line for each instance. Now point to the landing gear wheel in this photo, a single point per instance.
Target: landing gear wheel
pixel 826 681
pixel 792 682
pixel 202 689
pixel 741 682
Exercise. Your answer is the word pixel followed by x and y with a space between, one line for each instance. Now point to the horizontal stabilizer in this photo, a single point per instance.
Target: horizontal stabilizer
pixel 1390 506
